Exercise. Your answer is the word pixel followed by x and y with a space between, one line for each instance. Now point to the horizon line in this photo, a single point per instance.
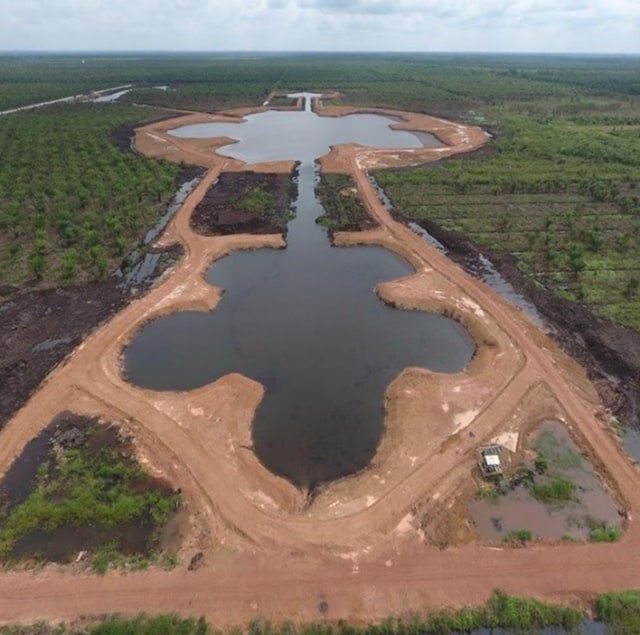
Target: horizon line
pixel 306 52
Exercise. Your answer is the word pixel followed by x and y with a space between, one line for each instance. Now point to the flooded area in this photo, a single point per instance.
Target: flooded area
pixel 73 460
pixel 303 321
pixel 140 264
pixel 488 273
pixel 560 498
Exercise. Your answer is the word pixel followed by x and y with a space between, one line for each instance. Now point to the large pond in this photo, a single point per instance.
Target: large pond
pixel 304 321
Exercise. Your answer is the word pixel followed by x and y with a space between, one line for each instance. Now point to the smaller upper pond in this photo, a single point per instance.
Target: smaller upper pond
pixel 303 135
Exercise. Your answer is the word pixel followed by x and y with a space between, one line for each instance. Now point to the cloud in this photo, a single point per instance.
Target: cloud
pixel 369 7
pixel 538 25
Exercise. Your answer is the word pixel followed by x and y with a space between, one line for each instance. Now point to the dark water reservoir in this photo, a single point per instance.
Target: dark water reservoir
pixel 304 321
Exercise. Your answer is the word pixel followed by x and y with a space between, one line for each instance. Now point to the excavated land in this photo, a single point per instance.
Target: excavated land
pixel 367 546
pixel 223 208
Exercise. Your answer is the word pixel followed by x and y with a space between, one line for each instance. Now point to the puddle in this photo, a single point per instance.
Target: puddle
pixel 304 321
pixel 142 271
pixel 64 543
pixel 630 439
pixel 141 266
pixel 174 206
pixel 47 345
pixel 427 237
pixel 110 98
pixel 489 274
pixel 518 509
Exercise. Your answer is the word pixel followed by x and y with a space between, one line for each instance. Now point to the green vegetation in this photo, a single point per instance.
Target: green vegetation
pixel 504 610
pixel 605 534
pixel 517 614
pixel 343 209
pixel 547 481
pixel 557 189
pixel 100 492
pixel 621 612
pixel 73 204
pixel 282 101
pixel 258 201
pixel 556 452
pixel 548 486
pixel 521 536
pixel 557 193
pixel 114 625
pixel 559 478
pixel 454 84
pixel 488 492
pixel 541 464
pixel 246 201
pixel 143 625
pixel 557 491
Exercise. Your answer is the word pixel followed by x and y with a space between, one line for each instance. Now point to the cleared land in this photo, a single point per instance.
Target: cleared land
pixel 360 546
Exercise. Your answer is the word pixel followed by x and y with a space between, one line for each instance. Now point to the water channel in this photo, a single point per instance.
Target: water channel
pixel 303 321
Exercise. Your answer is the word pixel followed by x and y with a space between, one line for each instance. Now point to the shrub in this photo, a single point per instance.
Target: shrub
pixel 605 534
pixel 541 464
pixel 621 611
pixel 519 536
pixel 557 491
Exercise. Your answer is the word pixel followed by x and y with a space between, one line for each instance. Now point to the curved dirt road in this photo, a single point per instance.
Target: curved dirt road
pixel 265 553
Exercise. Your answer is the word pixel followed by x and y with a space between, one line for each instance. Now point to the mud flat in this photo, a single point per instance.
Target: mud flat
pixel 246 203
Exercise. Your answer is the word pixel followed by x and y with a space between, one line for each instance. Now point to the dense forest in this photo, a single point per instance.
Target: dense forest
pixel 72 204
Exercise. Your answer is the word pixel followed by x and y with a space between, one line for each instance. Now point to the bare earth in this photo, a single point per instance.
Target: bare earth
pixel 370 545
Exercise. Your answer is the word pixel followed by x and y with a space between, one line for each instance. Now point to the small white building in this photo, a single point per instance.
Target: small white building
pixel 491 460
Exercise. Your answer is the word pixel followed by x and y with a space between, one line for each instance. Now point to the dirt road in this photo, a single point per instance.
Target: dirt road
pixel 360 546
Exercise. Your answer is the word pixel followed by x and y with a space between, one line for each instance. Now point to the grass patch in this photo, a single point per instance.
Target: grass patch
pixel 145 625
pixel 605 534
pixel 519 615
pixel 258 201
pixel 557 491
pixel 488 492
pixel 505 611
pixel 343 209
pixel 621 611
pixel 502 610
pixel 556 452
pixel 519 536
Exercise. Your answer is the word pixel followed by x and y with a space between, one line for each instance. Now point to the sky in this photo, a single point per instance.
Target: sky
pixel 545 26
